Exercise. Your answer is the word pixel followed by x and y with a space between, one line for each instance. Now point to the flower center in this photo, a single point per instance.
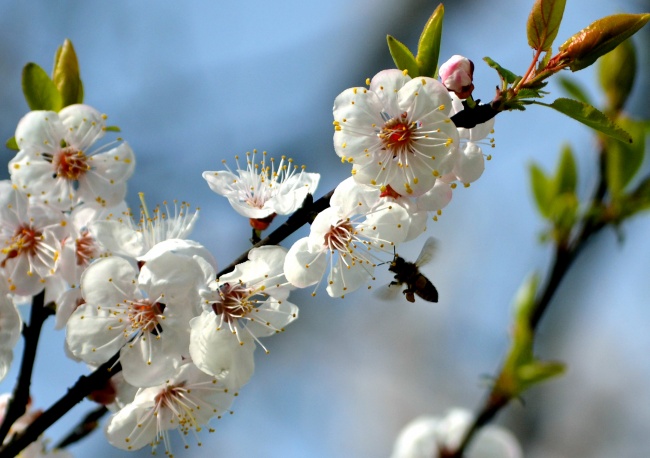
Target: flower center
pixel 144 315
pixel 24 241
pixel 70 164
pixel 85 248
pixel 339 237
pixel 235 302
pixel 397 134
pixel 387 191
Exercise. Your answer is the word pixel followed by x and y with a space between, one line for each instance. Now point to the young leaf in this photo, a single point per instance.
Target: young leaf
pixel 11 144
pixel 39 90
pixel 616 71
pixel 66 74
pixel 506 75
pixel 589 116
pixel 574 89
pixel 429 44
pixel 566 176
pixel 543 190
pixel 402 56
pixel 624 159
pixel 599 38
pixel 544 22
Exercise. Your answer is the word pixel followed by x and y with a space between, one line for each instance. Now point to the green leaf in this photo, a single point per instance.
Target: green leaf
pixel 616 71
pixel 566 176
pixel 429 44
pixel 544 23
pixel 543 190
pixel 574 89
pixel 112 129
pixel 623 160
pixel 589 116
pixel 599 38
pixel 39 90
pixel 506 75
pixel 11 144
pixel 66 74
pixel 402 56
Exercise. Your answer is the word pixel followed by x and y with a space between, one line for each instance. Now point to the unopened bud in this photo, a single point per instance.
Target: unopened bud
pixel 457 76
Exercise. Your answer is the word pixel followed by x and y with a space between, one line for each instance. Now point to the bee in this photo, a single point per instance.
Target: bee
pixel 409 273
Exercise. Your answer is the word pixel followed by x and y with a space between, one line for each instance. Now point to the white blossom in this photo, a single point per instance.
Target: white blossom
pixel 261 190
pixel 346 239
pixel 397 132
pixel 55 166
pixel 121 234
pixel 30 240
pixel 144 315
pixel 238 308
pixel 426 437
pixel 186 403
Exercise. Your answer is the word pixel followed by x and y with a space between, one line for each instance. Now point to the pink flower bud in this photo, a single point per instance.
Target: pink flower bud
pixel 456 74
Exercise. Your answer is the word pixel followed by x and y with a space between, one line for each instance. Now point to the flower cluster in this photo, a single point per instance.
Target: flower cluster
pixel 185 337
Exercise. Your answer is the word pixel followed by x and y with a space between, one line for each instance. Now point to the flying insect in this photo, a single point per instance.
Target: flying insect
pixel 408 273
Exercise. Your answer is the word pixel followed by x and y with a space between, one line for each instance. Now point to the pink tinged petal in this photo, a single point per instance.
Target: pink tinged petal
pixel 470 164
pixel 118 237
pixel 40 132
pixel 10 329
pixel 150 360
pixel 386 84
pixel 247 210
pixel 303 267
pixel 221 353
pixel 271 317
pixel 84 125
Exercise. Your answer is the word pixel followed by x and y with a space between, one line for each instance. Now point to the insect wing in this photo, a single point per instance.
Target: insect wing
pixel 428 250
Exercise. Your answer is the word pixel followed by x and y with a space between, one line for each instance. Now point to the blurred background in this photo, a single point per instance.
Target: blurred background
pixel 193 83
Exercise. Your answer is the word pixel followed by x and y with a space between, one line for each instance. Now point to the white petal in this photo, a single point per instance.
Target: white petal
pixel 303 267
pixel 470 164
pixel 84 125
pixel 149 360
pixel 220 353
pixel 118 237
pixel 387 84
pixel 40 132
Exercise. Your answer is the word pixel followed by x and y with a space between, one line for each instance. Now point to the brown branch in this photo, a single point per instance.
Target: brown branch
pixel 32 332
pixel 84 386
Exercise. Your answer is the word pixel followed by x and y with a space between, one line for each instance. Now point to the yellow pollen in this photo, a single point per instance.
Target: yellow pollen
pixel 489 157
pixel 424 82
pixel 354 90
pixel 449 141
pixel 466 185
pixel 405 72
pixel 367 81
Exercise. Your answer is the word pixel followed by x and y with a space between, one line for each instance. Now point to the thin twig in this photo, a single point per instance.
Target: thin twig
pixel 86 426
